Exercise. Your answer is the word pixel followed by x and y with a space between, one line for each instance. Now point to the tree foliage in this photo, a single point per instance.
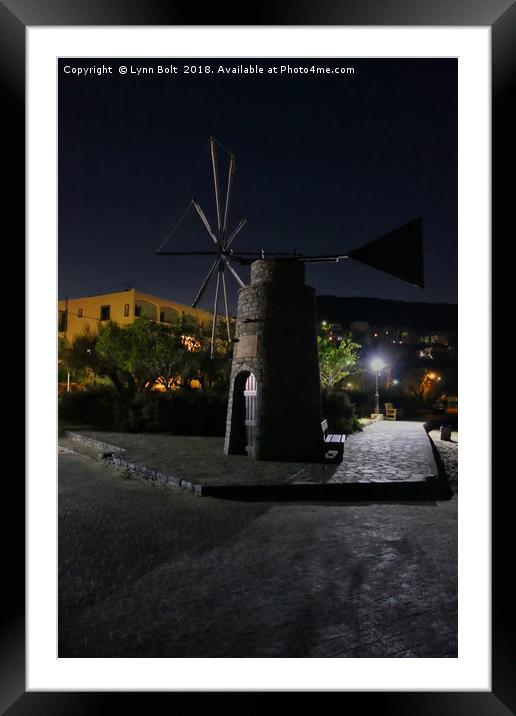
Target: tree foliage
pixel 337 358
pixel 146 354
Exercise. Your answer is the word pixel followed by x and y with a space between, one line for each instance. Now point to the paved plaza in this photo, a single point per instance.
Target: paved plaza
pixel 387 451
pixel 148 570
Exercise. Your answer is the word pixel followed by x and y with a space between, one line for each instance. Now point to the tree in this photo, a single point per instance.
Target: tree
pixel 143 354
pixel 79 357
pixel 423 383
pixel 337 358
pixel 146 354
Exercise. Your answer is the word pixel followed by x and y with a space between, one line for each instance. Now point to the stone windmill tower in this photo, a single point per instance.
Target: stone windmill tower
pixel 274 408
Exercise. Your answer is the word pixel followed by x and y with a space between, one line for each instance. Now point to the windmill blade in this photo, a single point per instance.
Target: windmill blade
pixel 398 253
pixel 236 276
pixel 215 181
pixel 226 303
pixel 240 226
pixel 228 194
pixel 205 283
pixel 215 306
pixel 204 220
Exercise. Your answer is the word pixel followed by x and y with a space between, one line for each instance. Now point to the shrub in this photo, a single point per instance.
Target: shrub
pixel 339 411
pixel 93 406
pixel 181 412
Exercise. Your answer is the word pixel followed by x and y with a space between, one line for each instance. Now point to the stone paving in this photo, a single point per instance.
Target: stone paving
pixel 387 451
pixel 149 571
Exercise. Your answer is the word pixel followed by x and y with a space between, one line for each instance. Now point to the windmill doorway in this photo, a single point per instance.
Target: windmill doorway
pixel 250 414
pixel 243 416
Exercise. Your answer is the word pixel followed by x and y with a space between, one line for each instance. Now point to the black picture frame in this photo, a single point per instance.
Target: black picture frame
pixel 15 17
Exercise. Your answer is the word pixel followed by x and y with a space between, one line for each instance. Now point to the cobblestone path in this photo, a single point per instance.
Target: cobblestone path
pixel 387 451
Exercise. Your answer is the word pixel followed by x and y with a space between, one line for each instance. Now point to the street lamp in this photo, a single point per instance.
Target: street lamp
pixel 377 364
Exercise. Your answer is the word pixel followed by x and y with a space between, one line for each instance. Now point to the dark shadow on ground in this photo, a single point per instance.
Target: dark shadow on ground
pixel 429 491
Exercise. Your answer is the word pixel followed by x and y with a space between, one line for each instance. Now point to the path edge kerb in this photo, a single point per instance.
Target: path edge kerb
pixel 111 455
pixel 433 488
pixel 441 479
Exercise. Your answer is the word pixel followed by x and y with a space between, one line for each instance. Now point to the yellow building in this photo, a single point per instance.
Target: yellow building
pixel 75 315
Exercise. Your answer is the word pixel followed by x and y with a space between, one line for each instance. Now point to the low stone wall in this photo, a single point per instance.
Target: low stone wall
pixel 112 456
pixel 85 440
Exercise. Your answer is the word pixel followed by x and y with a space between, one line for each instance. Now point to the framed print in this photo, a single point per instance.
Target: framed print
pixel 82 81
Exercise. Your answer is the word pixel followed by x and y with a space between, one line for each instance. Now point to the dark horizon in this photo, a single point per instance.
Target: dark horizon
pixel 319 296
pixel 314 154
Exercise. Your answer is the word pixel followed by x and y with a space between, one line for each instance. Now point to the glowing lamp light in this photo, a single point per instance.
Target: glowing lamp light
pixel 395 382
pixel 377 364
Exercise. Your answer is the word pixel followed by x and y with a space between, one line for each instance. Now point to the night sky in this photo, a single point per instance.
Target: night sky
pixel 325 163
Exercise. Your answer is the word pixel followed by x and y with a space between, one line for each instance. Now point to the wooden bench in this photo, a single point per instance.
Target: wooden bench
pixel 390 411
pixel 333 444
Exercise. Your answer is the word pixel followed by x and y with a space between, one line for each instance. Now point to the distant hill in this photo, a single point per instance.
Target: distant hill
pixel 424 317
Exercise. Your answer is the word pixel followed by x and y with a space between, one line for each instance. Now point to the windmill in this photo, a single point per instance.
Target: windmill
pixel 398 252
pixel 274 405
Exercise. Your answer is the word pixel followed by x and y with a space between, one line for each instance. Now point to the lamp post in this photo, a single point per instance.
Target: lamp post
pixel 377 364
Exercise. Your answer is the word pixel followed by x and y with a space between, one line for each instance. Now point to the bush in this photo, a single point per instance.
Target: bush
pixel 93 406
pixel 361 401
pixel 181 412
pixel 339 411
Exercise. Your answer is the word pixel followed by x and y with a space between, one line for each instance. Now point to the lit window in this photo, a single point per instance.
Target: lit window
pixel 79 313
pixel 105 312
pixel 126 309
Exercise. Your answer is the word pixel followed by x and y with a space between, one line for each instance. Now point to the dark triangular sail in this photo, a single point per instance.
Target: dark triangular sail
pixel 398 253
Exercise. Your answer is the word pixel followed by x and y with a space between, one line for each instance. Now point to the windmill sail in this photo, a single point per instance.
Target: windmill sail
pixel 221 236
